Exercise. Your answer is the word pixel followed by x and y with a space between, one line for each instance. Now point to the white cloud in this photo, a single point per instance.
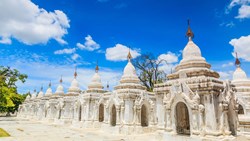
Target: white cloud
pixel 75 56
pixel 229 64
pixel 5 40
pixel 65 51
pixel 89 44
pixel 241 46
pixel 244 12
pixel 168 68
pixel 169 57
pixel 100 51
pixel 37 76
pixel 170 62
pixel 237 2
pixel 226 75
pixel 29 24
pixel 119 53
pixel 228 24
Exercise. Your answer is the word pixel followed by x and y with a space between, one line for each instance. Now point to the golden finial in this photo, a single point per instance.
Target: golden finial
pixel 75 74
pixel 96 67
pixel 237 61
pixel 189 33
pixel 61 79
pixel 129 55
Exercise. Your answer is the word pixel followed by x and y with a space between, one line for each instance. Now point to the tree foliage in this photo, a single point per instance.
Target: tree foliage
pixel 9 98
pixel 147 67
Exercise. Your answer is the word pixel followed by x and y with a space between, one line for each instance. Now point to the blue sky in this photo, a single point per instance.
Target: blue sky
pixel 46 39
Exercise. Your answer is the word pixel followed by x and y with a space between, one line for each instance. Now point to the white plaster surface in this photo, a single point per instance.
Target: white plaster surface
pixel 31 130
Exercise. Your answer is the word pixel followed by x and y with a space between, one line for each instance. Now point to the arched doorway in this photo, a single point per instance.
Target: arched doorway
pixel 240 110
pixel 101 113
pixel 80 113
pixel 113 116
pixel 182 119
pixel 144 116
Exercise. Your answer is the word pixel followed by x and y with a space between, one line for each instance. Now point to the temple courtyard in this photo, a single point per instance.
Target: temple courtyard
pixel 31 130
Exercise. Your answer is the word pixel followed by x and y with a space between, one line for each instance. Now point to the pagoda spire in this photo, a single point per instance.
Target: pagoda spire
pixel 61 80
pixel 75 74
pixel 49 83
pixel 96 67
pixel 189 33
pixel 108 85
pixel 237 61
pixel 129 55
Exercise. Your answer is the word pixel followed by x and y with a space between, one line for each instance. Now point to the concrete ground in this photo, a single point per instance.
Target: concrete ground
pixel 28 130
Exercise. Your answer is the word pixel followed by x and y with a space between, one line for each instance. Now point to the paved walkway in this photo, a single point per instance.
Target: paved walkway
pixel 24 130
pixel 27 130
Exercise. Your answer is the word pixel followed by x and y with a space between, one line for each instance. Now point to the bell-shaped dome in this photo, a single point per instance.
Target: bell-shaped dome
pixel 48 92
pixel 74 87
pixel 74 84
pixel 191 52
pixel 60 89
pixel 27 98
pixel 40 94
pixel 239 74
pixel 129 74
pixel 129 78
pixel 192 59
pixel 95 82
pixel 33 96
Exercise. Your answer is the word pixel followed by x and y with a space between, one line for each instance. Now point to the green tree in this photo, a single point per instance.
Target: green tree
pixel 9 98
pixel 147 67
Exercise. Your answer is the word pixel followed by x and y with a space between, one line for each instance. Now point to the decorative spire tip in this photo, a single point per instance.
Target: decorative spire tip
pixel 96 67
pixel 75 74
pixel 61 79
pixel 189 33
pixel 237 61
pixel 129 55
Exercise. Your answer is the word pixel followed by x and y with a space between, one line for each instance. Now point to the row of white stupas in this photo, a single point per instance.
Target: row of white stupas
pixel 193 101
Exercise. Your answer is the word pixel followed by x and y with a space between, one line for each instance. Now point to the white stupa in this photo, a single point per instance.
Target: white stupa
pixel 193 63
pixel 96 80
pixel 191 52
pixel 27 98
pixel 40 94
pixel 74 87
pixel 191 55
pixel 239 76
pixel 129 78
pixel 33 96
pixel 60 89
pixel 49 90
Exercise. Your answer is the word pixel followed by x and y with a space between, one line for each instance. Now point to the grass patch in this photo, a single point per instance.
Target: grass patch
pixel 3 133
